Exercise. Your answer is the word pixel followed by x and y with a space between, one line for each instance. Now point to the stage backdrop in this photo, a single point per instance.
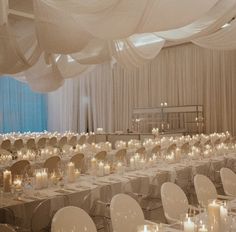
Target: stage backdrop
pixel 20 108
pixel 180 75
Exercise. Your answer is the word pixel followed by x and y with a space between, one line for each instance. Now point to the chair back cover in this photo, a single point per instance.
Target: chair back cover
pixel 18 144
pixel 101 155
pixel 82 140
pixel 72 218
pixel 126 214
pixel 174 201
pixel 52 163
pixel 20 167
pixel 205 189
pixel 228 178
pixel 41 143
pixel 78 160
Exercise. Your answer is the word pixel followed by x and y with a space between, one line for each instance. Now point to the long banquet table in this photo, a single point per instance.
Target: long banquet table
pixel 89 188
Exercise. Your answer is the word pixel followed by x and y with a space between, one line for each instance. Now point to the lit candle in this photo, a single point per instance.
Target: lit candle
pixel 203 229
pixel 38 180
pixel 77 173
pixel 132 163
pixel 142 163
pixel 119 168
pixel 44 176
pixel 93 163
pixel 189 225
pixel 71 172
pixel 223 216
pixel 107 169
pixel 101 169
pixel 214 216
pixel 53 178
pixel 17 183
pixel 7 180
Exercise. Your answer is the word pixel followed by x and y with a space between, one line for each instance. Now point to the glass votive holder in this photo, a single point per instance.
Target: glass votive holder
pixel 149 228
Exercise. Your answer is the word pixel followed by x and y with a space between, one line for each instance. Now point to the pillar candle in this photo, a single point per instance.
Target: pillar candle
pixel 101 169
pixel 93 163
pixel 132 163
pixel 223 217
pixel 38 180
pixel 71 172
pixel 119 168
pixel 203 229
pixel 44 176
pixel 189 225
pixel 7 180
pixel 107 169
pixel 214 216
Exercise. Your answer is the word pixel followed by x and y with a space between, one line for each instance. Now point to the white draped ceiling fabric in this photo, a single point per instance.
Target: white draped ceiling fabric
pixel 63 38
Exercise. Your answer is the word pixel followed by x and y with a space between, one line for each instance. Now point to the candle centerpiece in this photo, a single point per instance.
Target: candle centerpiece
pixel 213 211
pixel 7 181
pixel 71 172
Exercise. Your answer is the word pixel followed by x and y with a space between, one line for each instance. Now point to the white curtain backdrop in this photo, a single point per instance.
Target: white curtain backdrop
pixel 186 74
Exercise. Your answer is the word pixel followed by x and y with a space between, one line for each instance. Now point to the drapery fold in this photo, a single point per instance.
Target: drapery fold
pixel 80 33
pixel 223 39
pixel 179 75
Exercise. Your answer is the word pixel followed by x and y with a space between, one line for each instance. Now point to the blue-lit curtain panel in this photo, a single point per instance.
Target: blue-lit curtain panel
pixel 20 108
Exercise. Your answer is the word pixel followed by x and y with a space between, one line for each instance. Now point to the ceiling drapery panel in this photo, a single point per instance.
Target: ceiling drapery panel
pixel 51 40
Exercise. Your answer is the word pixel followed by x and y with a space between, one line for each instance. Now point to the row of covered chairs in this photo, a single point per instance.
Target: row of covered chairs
pixel 42 142
pixel 175 202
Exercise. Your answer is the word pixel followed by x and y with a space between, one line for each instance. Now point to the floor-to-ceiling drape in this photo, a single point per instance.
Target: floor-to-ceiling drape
pixel 185 74
pixel 20 108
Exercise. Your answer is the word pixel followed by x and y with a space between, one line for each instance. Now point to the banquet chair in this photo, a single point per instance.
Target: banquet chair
pixel 121 155
pixel 231 163
pixel 101 155
pixel 171 148
pixel 228 178
pixel 52 141
pixel 156 149
pixel 62 142
pixel 41 144
pixel 217 142
pixel 126 214
pixel 78 160
pixel 100 210
pixel 6 228
pixel 31 145
pixel 18 145
pixel 185 148
pixel 20 167
pixel 205 190
pixel 43 213
pixel 6 144
pixel 197 144
pixel 72 218
pixel 214 172
pixel 91 139
pixel 152 200
pixel 141 151
pixel 52 163
pixel 73 141
pixel 175 202
pixel 82 140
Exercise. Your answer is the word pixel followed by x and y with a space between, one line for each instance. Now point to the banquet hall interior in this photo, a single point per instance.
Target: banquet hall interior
pixel 117 115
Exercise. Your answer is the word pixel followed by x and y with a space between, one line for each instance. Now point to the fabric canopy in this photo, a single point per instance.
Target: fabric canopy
pixel 67 37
